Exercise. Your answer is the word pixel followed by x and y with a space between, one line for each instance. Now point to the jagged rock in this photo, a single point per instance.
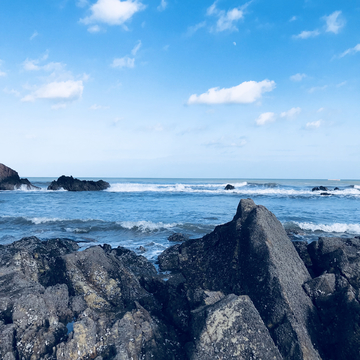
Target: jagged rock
pixel 336 189
pixel 229 187
pixel 320 188
pixel 337 255
pixel 228 260
pixel 178 237
pixel 230 329
pixel 71 184
pixel 10 180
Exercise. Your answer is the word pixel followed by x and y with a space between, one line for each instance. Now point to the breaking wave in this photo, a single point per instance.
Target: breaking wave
pixel 331 228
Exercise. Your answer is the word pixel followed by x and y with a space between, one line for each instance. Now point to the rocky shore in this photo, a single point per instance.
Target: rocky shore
pixel 244 291
pixel 10 180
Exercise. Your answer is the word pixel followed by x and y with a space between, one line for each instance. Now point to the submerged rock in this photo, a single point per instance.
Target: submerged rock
pixel 178 237
pixel 70 184
pixel 10 180
pixel 229 187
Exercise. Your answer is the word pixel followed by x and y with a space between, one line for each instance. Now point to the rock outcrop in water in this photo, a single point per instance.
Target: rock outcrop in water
pixel 243 291
pixel 10 180
pixel 70 184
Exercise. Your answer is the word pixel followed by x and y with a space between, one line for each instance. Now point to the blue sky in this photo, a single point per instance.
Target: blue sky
pixel 170 88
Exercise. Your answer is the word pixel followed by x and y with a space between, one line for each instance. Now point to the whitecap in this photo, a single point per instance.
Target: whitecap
pixel 146 226
pixel 331 228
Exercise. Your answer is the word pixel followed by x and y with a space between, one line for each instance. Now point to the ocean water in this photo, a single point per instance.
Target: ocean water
pixel 145 212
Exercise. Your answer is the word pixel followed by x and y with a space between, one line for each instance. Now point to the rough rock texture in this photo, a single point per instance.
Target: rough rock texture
pixel 230 329
pixel 229 259
pixel 10 180
pixel 57 303
pixel 178 237
pixel 241 292
pixel 71 184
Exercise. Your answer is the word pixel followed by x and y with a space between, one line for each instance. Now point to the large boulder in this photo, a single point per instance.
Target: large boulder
pixel 230 329
pixel 70 184
pixel 252 255
pixel 10 180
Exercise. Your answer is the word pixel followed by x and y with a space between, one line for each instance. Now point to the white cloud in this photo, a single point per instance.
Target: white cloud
pixel 226 19
pixel 317 88
pixel 294 18
pixel 31 65
pixel 320 110
pixel 291 113
pixel 245 93
pixel 297 77
pixel 265 118
pixel 2 73
pixel 57 90
pixel 193 29
pixel 94 29
pixel 313 124
pixel 351 51
pixel 34 35
pixel 123 62
pixel 234 43
pixel 333 22
pixel 307 34
pixel 112 12
pixel 98 107
pixel 136 48
pixel 162 5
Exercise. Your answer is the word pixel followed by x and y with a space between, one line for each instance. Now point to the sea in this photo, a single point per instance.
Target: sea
pixel 140 214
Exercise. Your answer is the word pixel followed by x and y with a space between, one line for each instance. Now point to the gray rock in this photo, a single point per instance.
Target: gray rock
pixel 178 237
pixel 230 329
pixel 70 184
pixel 228 260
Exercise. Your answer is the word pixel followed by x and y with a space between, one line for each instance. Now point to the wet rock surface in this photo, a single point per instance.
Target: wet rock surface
pixel 244 291
pixel 70 184
pixel 10 180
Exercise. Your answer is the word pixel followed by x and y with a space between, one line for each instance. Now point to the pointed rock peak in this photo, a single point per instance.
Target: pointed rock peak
pixel 6 172
pixel 244 209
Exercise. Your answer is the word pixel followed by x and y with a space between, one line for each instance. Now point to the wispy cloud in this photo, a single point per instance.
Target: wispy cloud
pixel 136 48
pixel 298 77
pixel 193 29
pixel 317 88
pixel 34 35
pixel 94 29
pixel 334 22
pixel 112 12
pixel 265 118
pixel 244 93
pixel 127 61
pixel 294 18
pixel 307 34
pixel 12 92
pixel 293 112
pixel 2 73
pixel 227 142
pixel 313 125
pixel 57 90
pixel 98 107
pixel 226 19
pixel 124 62
pixel 162 5
pixel 351 51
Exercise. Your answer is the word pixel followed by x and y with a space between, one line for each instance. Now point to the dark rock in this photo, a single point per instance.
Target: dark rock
pixel 142 249
pixel 325 194
pixel 230 329
pixel 10 180
pixel 178 237
pixel 338 256
pixel 302 249
pixel 71 184
pixel 229 187
pixel 228 259
pixel 336 189
pixel 320 188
